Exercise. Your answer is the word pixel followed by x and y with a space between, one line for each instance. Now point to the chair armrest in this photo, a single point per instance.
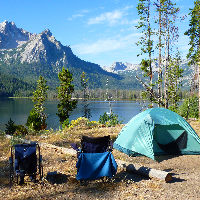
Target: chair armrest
pixel 10 160
pixel 110 148
pixel 74 146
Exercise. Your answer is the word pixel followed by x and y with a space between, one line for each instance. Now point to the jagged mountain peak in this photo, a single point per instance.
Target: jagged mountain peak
pixel 5 26
pixel 47 32
pixel 25 55
pixel 11 36
pixel 42 47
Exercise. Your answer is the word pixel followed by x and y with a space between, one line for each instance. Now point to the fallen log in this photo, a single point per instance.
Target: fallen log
pixel 144 171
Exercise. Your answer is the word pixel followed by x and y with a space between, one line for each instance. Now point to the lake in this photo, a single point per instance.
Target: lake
pixel 18 110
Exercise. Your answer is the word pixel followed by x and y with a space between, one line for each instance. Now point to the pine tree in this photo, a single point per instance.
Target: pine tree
pixel 167 32
pixel 146 41
pixel 65 91
pixel 174 75
pixel 194 33
pixel 37 117
pixel 84 81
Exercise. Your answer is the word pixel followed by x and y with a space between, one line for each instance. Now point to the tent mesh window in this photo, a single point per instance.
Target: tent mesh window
pixel 176 145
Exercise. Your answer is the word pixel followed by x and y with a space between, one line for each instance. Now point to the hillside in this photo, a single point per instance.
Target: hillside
pixel 26 56
pixel 129 71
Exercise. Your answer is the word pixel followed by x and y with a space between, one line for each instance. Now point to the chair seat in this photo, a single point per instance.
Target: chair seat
pixel 25 158
pixel 95 165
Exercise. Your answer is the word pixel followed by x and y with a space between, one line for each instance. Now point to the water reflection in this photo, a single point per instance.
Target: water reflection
pixel 19 109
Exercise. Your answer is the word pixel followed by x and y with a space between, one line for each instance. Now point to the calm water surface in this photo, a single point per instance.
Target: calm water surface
pixel 18 110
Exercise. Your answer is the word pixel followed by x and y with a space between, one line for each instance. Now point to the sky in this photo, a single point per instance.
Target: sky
pixel 98 31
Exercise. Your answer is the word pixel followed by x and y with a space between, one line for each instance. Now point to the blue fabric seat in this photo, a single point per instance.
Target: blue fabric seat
pixel 25 158
pixel 95 159
pixel 96 165
pixel 24 161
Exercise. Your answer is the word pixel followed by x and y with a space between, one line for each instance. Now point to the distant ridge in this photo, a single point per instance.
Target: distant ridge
pixel 24 56
pixel 27 55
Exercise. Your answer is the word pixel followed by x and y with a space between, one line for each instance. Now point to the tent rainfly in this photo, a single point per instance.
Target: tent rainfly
pixel 157 131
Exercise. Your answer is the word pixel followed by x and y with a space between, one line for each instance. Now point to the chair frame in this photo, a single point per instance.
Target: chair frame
pixel 92 140
pixel 96 140
pixel 12 172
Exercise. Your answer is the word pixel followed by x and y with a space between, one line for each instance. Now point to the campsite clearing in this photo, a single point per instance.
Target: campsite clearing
pixel 185 171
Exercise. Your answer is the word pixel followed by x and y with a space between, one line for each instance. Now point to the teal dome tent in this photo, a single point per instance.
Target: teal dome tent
pixel 157 131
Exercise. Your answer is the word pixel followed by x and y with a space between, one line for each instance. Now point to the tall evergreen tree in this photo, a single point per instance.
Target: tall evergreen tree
pixel 143 9
pixel 84 81
pixel 65 91
pixel 37 117
pixel 40 96
pixel 194 34
pixel 167 32
pixel 174 75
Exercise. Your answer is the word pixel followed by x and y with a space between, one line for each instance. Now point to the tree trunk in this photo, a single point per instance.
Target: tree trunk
pixel 166 60
pixel 159 64
pixel 199 88
pixel 149 46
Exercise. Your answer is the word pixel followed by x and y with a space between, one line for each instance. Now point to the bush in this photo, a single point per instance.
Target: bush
pixel 189 108
pixel 65 123
pixel 35 122
pixel 20 130
pixel 13 129
pixel 81 121
pixel 109 120
pixel 10 127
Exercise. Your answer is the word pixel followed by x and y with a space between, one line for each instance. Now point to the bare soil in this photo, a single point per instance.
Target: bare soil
pixel 185 171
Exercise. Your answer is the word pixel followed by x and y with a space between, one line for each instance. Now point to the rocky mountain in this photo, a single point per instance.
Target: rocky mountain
pixel 11 36
pixel 116 67
pixel 129 71
pixel 27 55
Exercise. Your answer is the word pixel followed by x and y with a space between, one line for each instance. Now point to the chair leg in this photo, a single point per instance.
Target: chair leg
pixel 33 178
pixel 10 171
pixel 83 182
pixel 106 179
pixel 21 181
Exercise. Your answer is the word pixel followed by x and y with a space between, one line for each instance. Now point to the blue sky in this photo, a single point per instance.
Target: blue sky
pixel 98 31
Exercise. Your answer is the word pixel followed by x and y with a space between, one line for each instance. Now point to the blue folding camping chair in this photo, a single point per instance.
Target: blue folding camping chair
pixel 95 159
pixel 25 160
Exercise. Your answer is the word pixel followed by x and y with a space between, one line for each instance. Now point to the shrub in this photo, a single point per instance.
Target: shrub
pixel 65 123
pixel 10 127
pixel 35 122
pixel 13 129
pixel 81 121
pixel 109 120
pixel 20 130
pixel 189 108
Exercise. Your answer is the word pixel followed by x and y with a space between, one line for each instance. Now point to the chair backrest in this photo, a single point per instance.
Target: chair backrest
pixel 25 157
pixel 95 145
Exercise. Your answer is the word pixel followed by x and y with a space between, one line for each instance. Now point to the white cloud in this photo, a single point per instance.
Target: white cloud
pixel 84 11
pixel 77 15
pixel 114 17
pixel 110 17
pixel 106 45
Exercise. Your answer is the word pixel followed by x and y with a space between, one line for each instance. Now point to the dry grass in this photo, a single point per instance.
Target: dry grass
pixel 65 137
pixel 184 185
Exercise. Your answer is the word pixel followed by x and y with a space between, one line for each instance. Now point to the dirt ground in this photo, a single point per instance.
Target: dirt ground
pixel 185 181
